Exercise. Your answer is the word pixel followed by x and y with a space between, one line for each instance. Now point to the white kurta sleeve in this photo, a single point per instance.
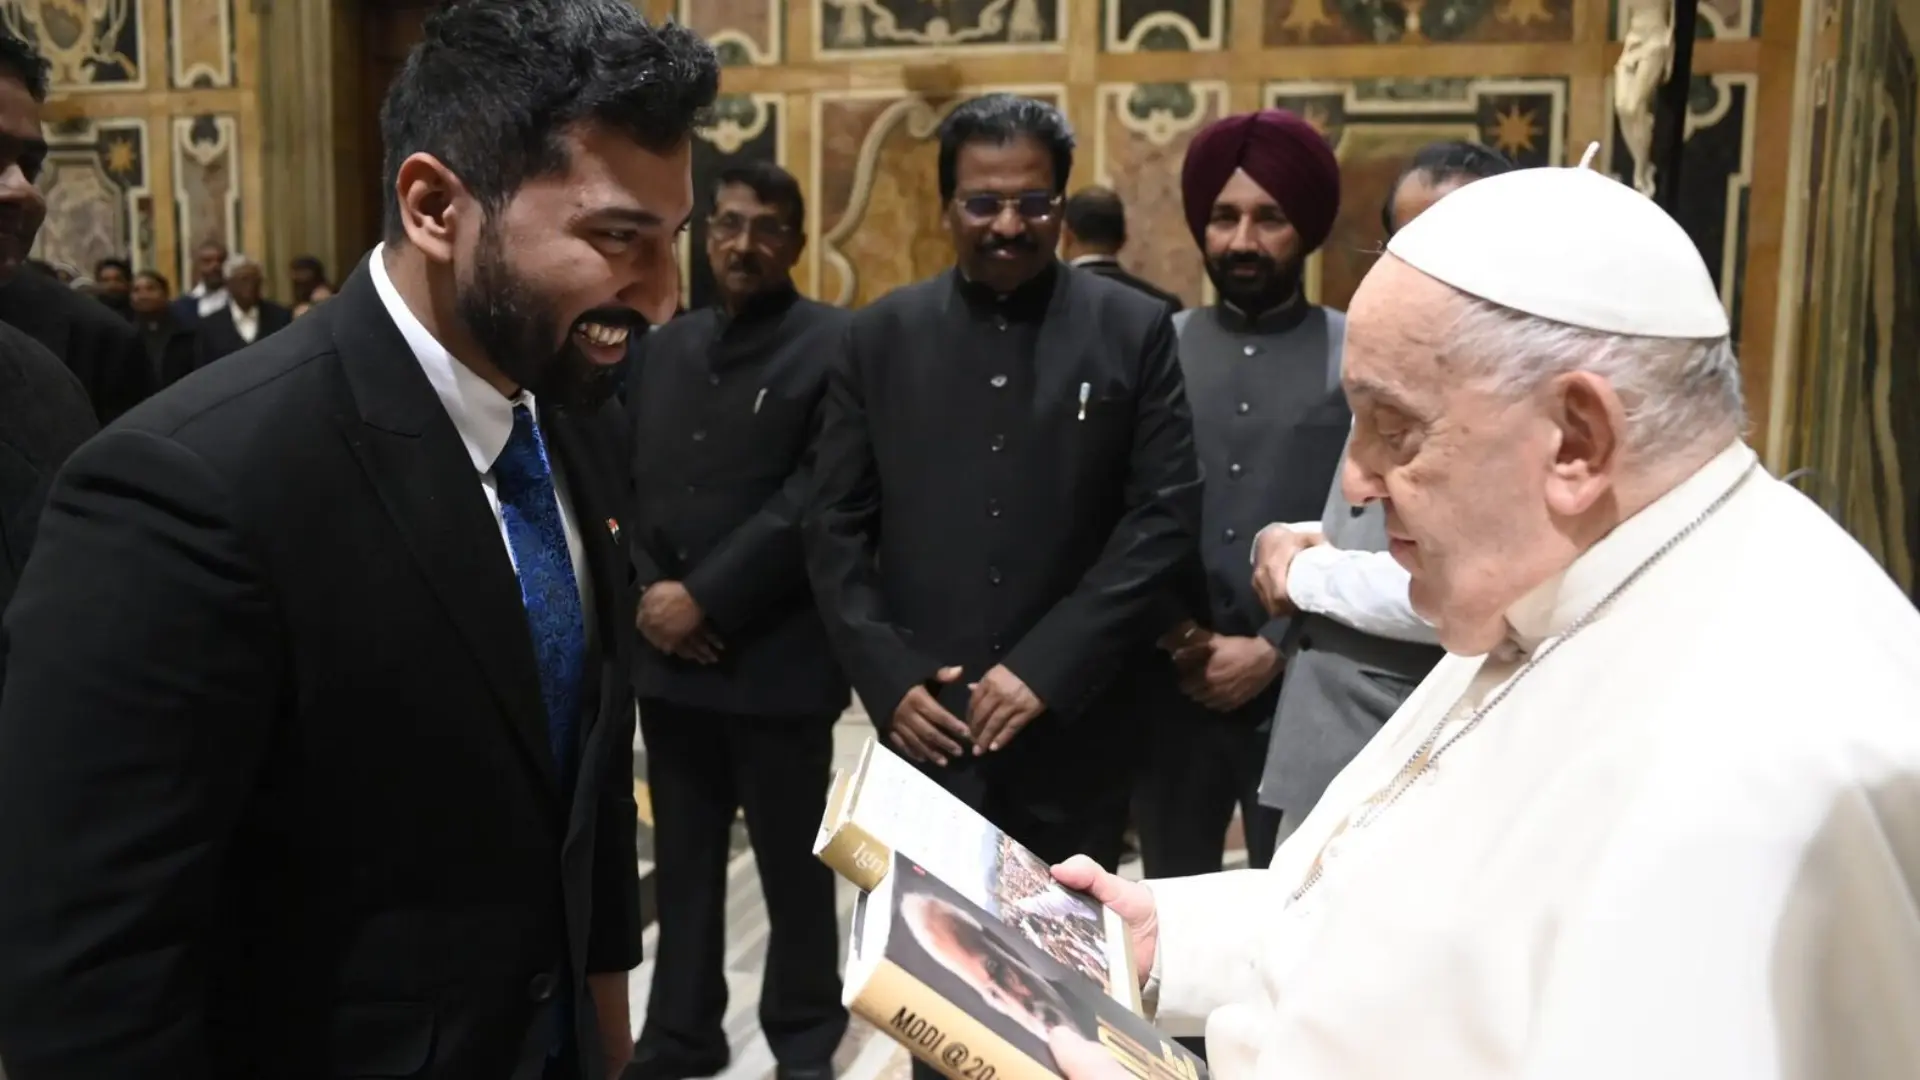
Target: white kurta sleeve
pixel 1746 931
pixel 1207 954
pixel 1366 590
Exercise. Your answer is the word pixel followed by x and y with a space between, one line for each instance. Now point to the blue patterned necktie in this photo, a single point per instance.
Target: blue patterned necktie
pixel 523 477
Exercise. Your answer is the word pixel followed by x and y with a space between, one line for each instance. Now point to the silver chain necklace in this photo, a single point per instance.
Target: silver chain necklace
pixel 1430 750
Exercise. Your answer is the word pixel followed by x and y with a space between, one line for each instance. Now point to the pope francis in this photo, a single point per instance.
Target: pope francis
pixel 1657 816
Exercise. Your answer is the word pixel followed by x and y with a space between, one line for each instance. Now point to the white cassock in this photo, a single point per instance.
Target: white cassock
pixel 1685 847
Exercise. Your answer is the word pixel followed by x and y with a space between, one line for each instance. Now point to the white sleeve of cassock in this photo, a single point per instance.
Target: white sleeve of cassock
pixel 1207 953
pixel 1744 929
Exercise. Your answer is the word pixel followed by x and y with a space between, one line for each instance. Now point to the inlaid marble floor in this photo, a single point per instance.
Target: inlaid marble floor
pixel 865 1054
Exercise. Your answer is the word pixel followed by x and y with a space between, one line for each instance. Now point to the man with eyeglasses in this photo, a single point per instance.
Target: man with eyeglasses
pixel 738 688
pixel 1261 191
pixel 1006 482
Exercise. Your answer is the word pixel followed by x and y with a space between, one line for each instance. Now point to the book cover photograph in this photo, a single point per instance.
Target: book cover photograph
pixel 975 998
pixel 884 803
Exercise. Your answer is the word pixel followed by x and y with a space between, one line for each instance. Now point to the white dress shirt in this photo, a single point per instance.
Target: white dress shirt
pixel 1366 590
pixel 247 323
pixel 484 419
pixel 209 300
pixel 1678 849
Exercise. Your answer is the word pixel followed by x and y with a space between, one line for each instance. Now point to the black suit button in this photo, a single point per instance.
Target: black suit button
pixel 1228 535
pixel 541 987
pixel 998 381
pixel 993 507
pixel 680 553
pixel 1306 643
pixel 700 436
pixel 692 488
pixel 993 574
pixel 1234 470
pixel 713 380
pixel 1243 408
pixel 999 443
pixel 994 647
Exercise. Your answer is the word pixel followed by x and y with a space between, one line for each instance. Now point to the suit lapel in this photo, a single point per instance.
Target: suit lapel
pixel 411 452
pixel 593 493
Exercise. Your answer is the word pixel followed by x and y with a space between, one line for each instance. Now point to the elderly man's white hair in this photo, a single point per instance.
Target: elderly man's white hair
pixel 1564 270
pixel 236 262
pixel 1677 392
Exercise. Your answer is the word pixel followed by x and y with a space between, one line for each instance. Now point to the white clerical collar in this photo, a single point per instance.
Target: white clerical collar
pixel 481 414
pixel 1095 260
pixel 1553 605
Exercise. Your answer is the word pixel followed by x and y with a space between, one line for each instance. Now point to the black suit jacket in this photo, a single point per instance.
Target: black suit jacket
pixel 99 346
pixel 217 336
pixel 968 513
pixel 274 712
pixel 1113 271
pixel 724 413
pixel 44 415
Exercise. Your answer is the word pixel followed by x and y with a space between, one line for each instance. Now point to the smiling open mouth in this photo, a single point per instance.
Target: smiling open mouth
pixel 602 334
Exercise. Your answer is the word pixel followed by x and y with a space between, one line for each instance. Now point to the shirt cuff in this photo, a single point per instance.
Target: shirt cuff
pixel 1150 993
pixel 1307 577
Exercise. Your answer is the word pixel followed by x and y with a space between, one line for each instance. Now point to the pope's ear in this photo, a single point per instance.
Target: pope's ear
pixel 1591 421
pixel 430 198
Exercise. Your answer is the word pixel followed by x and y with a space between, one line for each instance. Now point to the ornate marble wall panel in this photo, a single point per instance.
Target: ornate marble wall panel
pixel 871 27
pixel 877 213
pixel 1140 141
pixel 1409 22
pixel 1163 25
pixel 748 129
pixel 206 185
pixel 1375 126
pixel 742 31
pixel 90 45
pixel 200 43
pixel 1716 178
pixel 1720 20
pixel 99 204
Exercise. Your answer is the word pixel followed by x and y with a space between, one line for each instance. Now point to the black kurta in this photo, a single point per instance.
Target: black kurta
pixel 724 411
pixel 981 501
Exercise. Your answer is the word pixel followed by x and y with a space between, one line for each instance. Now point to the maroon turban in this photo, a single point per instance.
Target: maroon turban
pixel 1283 153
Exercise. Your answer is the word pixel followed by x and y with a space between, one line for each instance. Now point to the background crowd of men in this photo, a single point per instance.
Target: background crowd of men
pixel 1018 508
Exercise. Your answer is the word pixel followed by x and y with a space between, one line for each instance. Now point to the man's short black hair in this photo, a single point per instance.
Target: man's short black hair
pixel 1098 217
pixel 772 185
pixel 21 60
pixel 999 119
pixel 157 278
pixel 494 85
pixel 1446 162
pixel 310 263
pixel 122 265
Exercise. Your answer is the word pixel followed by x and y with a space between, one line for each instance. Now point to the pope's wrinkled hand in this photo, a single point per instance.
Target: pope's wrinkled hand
pixel 1130 900
pixel 1273 552
pixel 1080 1059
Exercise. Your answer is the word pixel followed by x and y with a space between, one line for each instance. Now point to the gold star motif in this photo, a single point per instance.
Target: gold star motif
pixel 1513 130
pixel 120 157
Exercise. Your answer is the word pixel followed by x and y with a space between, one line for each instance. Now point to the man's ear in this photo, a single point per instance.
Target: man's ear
pixel 1592 423
pixel 430 196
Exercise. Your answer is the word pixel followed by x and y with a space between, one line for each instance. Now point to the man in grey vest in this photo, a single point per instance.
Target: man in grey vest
pixel 1356 648
pixel 1262 371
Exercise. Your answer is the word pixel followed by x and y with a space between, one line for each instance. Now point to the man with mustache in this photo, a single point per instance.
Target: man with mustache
pixel 318 697
pixel 1006 482
pixel 1262 366
pixel 738 688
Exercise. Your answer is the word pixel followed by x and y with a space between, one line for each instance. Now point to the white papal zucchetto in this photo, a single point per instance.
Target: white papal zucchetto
pixel 1569 245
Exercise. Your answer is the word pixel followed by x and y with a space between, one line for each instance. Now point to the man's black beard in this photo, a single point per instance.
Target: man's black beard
pixel 509 320
pixel 1273 286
